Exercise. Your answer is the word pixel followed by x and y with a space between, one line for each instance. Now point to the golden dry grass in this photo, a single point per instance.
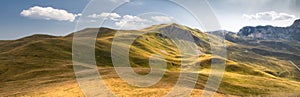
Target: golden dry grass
pixel 36 72
pixel 231 85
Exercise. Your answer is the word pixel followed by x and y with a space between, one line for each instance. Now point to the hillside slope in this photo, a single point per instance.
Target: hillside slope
pixel 251 69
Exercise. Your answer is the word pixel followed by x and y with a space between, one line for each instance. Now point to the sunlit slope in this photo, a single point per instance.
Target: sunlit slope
pixel 242 62
pixel 241 57
pixel 247 72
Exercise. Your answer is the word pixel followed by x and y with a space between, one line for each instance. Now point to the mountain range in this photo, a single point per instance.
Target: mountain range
pixel 271 33
pixel 261 61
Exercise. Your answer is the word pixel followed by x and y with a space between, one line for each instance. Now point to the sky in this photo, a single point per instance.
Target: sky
pixel 20 18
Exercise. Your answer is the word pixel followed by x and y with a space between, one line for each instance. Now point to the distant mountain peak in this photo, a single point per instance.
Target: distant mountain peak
pixel 271 32
pixel 173 24
pixel 296 23
pixel 155 27
pixel 38 37
pixel 169 27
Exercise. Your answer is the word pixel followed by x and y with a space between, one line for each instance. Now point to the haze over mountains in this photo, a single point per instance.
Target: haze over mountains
pixel 258 59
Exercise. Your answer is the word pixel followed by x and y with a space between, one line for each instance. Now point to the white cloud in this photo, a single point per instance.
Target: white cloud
pixel 162 19
pixel 118 1
pixel 284 16
pixel 129 22
pixel 266 18
pixel 270 16
pixel 105 15
pixel 132 22
pixel 49 13
pixel 93 21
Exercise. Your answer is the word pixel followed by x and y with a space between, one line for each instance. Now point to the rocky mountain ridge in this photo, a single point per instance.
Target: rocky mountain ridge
pixel 271 33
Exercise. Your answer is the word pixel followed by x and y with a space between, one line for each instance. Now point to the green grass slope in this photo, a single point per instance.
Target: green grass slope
pixel 249 71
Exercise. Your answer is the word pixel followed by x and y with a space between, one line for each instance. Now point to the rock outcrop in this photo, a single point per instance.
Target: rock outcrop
pixel 271 33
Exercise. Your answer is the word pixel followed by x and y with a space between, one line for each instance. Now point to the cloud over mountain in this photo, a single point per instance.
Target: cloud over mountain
pixel 269 16
pixel 105 15
pixel 162 19
pixel 127 21
pixel 49 13
pixel 132 22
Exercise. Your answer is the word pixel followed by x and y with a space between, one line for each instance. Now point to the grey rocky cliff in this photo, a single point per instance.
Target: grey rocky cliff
pixel 271 33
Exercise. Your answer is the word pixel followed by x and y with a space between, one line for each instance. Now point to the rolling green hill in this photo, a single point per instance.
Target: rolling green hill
pixel 253 67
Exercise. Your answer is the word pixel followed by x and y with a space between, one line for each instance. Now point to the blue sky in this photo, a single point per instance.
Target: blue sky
pixel 21 18
pixel 14 26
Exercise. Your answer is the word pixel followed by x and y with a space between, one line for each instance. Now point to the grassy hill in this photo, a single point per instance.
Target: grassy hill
pixel 252 69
